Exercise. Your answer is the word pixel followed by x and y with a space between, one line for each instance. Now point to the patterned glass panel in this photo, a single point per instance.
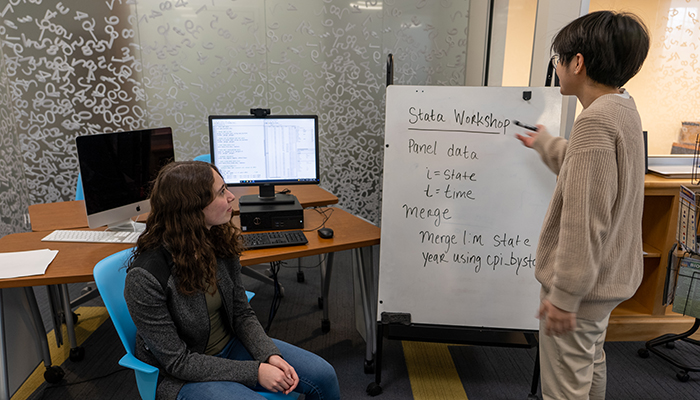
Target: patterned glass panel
pixel 76 68
pixel 13 194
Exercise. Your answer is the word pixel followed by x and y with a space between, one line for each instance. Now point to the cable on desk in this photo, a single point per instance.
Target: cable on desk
pixel 326 212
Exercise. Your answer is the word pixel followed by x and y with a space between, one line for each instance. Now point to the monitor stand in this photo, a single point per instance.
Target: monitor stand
pixel 127 226
pixel 267 196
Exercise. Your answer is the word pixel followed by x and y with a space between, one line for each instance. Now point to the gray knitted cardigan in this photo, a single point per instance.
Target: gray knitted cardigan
pixel 173 329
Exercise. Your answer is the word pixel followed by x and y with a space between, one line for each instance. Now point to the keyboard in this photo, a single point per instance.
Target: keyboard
pixel 91 236
pixel 262 240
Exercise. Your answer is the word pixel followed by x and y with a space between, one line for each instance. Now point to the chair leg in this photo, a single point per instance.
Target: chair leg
pixel 248 271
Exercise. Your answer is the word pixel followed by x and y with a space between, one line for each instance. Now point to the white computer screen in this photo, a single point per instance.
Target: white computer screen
pixel 250 150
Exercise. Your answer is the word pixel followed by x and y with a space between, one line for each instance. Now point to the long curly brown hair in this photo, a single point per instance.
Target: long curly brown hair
pixel 176 221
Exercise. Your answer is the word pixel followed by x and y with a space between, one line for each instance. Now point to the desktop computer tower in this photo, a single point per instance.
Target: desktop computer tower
pixel 268 217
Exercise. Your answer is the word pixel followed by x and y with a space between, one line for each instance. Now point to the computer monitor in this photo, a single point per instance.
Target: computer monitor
pixel 117 170
pixel 265 151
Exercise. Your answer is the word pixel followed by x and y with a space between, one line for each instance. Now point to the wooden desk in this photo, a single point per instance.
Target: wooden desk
pixel 71 214
pixel 75 262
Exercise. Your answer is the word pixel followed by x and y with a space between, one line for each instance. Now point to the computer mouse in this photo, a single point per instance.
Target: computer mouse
pixel 325 233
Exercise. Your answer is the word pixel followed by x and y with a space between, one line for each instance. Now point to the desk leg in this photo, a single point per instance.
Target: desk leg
pixel 4 376
pixel 77 353
pixel 368 293
pixel 53 374
pixel 38 326
pixel 326 270
pixel 373 285
pixel 52 293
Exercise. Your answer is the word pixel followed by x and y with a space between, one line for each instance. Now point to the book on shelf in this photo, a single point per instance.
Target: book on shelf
pixel 687 296
pixel 686 234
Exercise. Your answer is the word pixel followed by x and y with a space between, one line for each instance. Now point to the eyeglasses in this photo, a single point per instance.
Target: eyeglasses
pixel 555 60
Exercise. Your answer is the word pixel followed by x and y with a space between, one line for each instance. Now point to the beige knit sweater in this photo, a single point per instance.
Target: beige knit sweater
pixel 589 256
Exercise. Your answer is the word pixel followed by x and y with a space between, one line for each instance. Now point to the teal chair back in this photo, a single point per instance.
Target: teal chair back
pixel 110 274
pixel 110 277
pixel 203 157
pixel 79 189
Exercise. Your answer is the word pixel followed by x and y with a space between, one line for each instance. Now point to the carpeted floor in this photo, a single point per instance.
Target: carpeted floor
pixel 411 370
pixel 298 321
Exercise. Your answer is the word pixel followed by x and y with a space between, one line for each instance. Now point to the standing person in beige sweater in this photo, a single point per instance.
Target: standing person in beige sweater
pixel 589 256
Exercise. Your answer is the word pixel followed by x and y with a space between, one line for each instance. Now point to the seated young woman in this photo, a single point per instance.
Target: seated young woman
pixel 185 294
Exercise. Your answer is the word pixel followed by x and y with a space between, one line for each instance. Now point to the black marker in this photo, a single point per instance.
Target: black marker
pixel 526 126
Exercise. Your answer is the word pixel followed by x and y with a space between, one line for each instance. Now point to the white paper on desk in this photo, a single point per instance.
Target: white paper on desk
pixel 25 263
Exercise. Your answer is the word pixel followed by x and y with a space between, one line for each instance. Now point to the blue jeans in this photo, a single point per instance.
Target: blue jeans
pixel 317 379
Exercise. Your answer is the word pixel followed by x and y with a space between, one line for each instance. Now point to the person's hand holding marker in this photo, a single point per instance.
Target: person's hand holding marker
pixel 532 132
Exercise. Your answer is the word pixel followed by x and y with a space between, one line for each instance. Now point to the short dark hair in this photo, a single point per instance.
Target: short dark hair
pixel 613 45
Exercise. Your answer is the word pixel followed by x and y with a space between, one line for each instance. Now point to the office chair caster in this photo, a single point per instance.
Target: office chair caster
pixel 54 374
pixel 325 326
pixel 683 376
pixel 300 276
pixel 77 354
pixel 373 389
pixel 644 353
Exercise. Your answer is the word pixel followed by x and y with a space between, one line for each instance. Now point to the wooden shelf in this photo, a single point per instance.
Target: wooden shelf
pixel 644 317
pixel 643 328
pixel 651 251
pixel 630 307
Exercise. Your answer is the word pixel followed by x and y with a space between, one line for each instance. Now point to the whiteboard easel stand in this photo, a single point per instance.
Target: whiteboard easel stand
pixel 422 116
pixel 456 335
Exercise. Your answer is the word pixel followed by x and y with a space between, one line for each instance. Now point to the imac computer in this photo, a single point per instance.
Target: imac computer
pixel 265 151
pixel 117 170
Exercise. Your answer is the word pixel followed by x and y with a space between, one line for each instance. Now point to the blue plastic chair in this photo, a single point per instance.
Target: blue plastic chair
pixel 203 157
pixel 79 195
pixel 110 276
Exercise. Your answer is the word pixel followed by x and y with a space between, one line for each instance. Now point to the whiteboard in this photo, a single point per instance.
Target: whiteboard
pixel 463 204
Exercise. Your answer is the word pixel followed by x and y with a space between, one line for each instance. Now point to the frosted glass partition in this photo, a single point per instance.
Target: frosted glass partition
pixel 13 194
pixel 76 68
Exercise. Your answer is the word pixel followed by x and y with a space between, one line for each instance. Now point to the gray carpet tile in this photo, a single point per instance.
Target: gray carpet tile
pixel 495 373
pixel 487 373
pixel 298 321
